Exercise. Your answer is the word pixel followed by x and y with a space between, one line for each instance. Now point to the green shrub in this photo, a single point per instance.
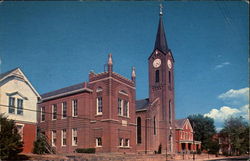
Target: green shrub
pixel 10 140
pixel 85 150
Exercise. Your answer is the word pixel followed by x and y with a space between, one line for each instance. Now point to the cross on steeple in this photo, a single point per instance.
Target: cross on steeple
pixel 161 7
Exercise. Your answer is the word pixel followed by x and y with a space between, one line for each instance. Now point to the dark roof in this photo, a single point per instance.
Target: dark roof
pixel 180 123
pixel 142 104
pixel 6 73
pixel 63 90
pixel 160 41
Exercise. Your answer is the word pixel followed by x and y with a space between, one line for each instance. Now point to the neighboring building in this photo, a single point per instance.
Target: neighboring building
pixel 184 137
pixel 103 113
pixel 18 101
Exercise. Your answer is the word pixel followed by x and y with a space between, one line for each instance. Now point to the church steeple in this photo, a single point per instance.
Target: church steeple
pixel 161 42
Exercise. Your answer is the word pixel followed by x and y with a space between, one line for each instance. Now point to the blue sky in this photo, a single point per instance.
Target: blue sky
pixel 56 44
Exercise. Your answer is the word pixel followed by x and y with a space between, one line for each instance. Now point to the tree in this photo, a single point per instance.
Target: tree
pixel 236 132
pixel 42 145
pixel 204 130
pixel 10 139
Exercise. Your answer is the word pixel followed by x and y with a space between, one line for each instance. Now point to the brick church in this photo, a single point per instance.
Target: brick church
pixel 103 112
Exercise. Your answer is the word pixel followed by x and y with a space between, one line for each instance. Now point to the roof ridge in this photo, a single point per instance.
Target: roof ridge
pixel 64 88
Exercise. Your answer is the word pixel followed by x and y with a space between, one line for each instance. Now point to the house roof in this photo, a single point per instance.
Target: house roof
pixel 16 73
pixel 180 123
pixel 2 75
pixel 142 104
pixel 65 91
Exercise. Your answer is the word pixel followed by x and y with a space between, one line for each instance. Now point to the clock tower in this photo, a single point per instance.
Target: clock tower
pixel 161 85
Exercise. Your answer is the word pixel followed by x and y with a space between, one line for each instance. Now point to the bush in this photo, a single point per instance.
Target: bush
pixel 85 150
pixel 40 145
pixel 10 140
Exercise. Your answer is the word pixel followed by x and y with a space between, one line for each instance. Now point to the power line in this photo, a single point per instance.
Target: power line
pixel 81 117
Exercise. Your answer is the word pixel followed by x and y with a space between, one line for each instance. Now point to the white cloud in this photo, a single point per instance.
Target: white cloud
pixel 221 65
pixel 245 111
pixel 223 113
pixel 234 93
pixel 236 97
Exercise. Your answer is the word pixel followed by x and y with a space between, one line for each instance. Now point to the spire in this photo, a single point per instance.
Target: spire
pixel 133 75
pixel 110 63
pixel 161 42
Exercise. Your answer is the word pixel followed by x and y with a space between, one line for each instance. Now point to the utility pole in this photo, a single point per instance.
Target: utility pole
pixel 167 152
pixel 193 142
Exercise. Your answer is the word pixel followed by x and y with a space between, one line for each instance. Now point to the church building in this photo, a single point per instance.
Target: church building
pixel 103 112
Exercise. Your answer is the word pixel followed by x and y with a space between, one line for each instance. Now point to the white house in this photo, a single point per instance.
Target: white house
pixel 18 101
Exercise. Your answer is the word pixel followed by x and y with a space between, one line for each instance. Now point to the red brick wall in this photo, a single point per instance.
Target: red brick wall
pixel 89 125
pixel 29 136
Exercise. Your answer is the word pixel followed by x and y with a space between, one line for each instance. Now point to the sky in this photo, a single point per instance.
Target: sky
pixel 56 44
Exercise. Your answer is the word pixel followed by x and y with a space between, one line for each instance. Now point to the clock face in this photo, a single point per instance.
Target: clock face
pixel 157 63
pixel 169 64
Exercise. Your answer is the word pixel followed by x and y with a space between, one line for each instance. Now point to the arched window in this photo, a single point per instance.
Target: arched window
pixel 154 126
pixel 138 130
pixel 170 112
pixel 157 76
pixel 169 77
pixel 99 89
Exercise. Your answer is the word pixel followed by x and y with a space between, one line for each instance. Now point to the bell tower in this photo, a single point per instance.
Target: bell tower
pixel 161 84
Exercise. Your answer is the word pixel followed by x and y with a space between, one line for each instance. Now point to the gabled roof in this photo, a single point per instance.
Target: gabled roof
pixel 142 104
pixel 180 123
pixel 17 73
pixel 160 41
pixel 65 91
pixel 2 75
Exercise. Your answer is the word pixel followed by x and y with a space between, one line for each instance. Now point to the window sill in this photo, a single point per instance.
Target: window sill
pixel 74 145
pixel 127 117
pixel 98 146
pixel 100 114
pixel 75 116
pixel 124 147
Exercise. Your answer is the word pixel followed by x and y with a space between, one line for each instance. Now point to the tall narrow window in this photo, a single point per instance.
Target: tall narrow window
pixel 42 113
pixel 119 107
pixel 74 107
pixel 169 77
pixel 126 143
pixel 98 142
pixel 171 143
pixel 99 105
pixel 20 130
pixel 126 108
pixel 74 136
pixel 120 142
pixel 54 112
pixel 64 110
pixel 138 130
pixel 157 76
pixel 11 105
pixel 53 137
pixel 19 106
pixel 64 137
pixel 154 126
pixel 170 112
